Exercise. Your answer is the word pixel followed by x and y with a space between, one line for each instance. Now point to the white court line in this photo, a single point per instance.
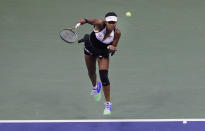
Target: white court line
pixel 103 120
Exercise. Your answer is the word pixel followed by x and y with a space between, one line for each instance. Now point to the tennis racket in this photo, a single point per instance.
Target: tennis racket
pixel 69 35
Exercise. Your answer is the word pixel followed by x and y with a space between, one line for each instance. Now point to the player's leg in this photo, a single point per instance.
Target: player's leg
pixel 91 67
pixel 103 64
pixel 90 59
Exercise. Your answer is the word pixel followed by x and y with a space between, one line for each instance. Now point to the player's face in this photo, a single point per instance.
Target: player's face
pixel 110 25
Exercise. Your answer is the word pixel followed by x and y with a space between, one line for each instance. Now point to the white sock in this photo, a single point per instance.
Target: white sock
pixel 95 86
pixel 108 102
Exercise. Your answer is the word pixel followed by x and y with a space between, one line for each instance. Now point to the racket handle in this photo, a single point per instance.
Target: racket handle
pixel 77 25
pixel 81 40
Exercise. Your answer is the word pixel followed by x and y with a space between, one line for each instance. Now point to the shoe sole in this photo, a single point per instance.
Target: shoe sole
pixel 107 113
pixel 98 97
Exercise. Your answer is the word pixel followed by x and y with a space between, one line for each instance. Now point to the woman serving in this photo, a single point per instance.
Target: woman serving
pixel 99 44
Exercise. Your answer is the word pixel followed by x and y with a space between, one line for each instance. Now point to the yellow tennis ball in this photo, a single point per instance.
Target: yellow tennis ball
pixel 128 14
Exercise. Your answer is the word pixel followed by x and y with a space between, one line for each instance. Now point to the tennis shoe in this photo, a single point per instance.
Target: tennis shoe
pixel 107 108
pixel 96 91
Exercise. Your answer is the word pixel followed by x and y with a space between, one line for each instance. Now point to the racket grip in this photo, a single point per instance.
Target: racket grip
pixel 77 25
pixel 81 40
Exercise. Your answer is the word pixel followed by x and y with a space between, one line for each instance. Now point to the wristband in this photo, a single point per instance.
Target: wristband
pixel 86 20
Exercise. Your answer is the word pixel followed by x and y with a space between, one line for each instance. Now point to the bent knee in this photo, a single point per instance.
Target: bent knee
pixel 104 77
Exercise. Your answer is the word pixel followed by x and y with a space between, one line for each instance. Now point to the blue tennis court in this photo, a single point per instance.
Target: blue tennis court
pixel 106 125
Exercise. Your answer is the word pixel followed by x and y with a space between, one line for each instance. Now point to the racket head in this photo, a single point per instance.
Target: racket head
pixel 68 35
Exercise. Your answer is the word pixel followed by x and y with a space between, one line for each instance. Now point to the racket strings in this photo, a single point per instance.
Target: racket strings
pixel 68 35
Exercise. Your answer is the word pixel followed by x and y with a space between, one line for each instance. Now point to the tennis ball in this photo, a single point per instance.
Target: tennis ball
pixel 128 14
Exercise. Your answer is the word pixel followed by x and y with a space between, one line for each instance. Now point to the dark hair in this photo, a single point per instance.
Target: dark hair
pixel 111 14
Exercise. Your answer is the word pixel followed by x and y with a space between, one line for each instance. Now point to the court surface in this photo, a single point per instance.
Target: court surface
pixel 158 71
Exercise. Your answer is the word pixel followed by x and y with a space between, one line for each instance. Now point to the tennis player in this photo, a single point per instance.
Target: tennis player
pixel 99 44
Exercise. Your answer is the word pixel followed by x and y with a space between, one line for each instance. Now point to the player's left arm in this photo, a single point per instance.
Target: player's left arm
pixel 113 47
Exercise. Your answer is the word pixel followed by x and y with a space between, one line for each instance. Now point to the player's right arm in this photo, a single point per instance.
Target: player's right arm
pixel 99 24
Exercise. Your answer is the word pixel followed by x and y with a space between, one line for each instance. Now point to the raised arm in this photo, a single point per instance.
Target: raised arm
pixel 96 22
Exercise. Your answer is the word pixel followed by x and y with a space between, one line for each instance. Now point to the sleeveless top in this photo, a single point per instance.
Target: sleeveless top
pixel 100 35
pixel 97 38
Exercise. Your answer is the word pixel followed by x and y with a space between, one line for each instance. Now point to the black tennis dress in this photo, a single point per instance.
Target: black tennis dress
pixel 95 45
